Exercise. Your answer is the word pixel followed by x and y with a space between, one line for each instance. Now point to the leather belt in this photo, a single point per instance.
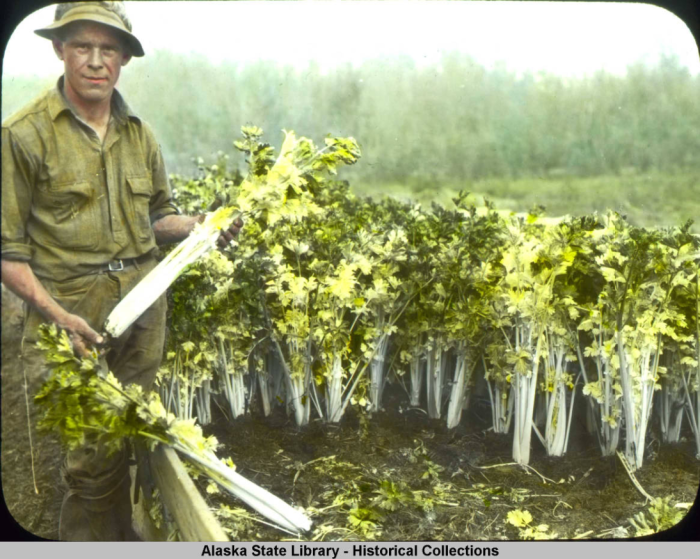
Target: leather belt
pixel 122 263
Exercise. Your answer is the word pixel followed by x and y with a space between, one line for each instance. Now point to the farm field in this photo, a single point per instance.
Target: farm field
pixel 401 370
pixel 398 363
pixel 414 480
pixel 356 460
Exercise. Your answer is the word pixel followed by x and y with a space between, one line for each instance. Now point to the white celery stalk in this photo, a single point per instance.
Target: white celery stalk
pixel 416 379
pixel 267 504
pixel 435 378
pixel 197 244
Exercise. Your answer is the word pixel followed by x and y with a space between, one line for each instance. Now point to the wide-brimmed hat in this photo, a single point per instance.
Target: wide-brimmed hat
pixel 111 14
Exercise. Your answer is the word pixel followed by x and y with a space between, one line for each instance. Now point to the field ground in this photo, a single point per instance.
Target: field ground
pixel 411 478
pixel 36 512
pixel 652 199
pixel 329 468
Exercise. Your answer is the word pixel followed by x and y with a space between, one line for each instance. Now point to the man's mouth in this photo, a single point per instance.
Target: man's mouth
pixel 95 80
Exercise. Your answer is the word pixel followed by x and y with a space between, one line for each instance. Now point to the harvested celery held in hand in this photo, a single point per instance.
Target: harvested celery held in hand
pixel 83 406
pixel 263 195
pixel 197 244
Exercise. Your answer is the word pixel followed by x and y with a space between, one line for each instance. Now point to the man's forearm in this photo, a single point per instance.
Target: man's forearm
pixel 174 228
pixel 19 278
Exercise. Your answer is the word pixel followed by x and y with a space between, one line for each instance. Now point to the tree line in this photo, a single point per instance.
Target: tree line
pixel 448 122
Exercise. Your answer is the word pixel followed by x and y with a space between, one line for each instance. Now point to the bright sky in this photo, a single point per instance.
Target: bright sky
pixel 563 38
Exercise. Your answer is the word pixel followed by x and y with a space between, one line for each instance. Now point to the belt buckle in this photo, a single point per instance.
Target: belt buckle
pixel 115 266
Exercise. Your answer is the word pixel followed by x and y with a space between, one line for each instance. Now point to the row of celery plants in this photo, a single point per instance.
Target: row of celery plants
pixel 319 305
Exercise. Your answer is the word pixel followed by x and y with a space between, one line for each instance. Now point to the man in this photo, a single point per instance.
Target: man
pixel 85 201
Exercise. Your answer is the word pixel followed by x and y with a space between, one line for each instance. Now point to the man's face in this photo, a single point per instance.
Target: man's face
pixel 93 55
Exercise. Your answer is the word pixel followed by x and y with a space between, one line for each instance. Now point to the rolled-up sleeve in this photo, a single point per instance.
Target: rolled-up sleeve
pixel 161 203
pixel 18 176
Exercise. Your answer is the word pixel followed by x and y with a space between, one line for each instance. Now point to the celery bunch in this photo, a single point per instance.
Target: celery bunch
pixel 86 405
pixel 271 192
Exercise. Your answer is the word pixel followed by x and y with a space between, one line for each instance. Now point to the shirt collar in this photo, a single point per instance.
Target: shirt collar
pixel 58 103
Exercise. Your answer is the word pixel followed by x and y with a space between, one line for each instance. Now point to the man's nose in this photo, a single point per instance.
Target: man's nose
pixel 95 59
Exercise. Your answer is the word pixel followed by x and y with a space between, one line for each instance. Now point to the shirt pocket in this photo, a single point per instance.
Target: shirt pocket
pixel 140 189
pixel 71 215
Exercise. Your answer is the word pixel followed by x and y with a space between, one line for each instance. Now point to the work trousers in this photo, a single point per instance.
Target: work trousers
pixel 97 503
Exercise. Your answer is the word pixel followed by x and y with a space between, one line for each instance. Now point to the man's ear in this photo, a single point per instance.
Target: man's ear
pixel 57 47
pixel 125 59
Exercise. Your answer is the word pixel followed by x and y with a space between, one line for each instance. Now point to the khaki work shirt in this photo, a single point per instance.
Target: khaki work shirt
pixel 70 203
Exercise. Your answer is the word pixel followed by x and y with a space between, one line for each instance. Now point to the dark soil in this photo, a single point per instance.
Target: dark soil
pixel 35 507
pixel 442 484
pixel 580 493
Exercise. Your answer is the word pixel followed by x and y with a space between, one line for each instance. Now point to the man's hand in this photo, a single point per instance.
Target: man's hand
pixel 176 228
pixel 230 234
pixel 82 337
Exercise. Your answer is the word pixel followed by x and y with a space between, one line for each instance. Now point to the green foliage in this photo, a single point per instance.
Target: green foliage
pixel 351 501
pixel 238 523
pixel 327 282
pixel 636 316
pixel 365 521
pixel 391 496
pixel 522 519
pixel 213 186
pixel 230 321
pixel 85 404
pixel 660 515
